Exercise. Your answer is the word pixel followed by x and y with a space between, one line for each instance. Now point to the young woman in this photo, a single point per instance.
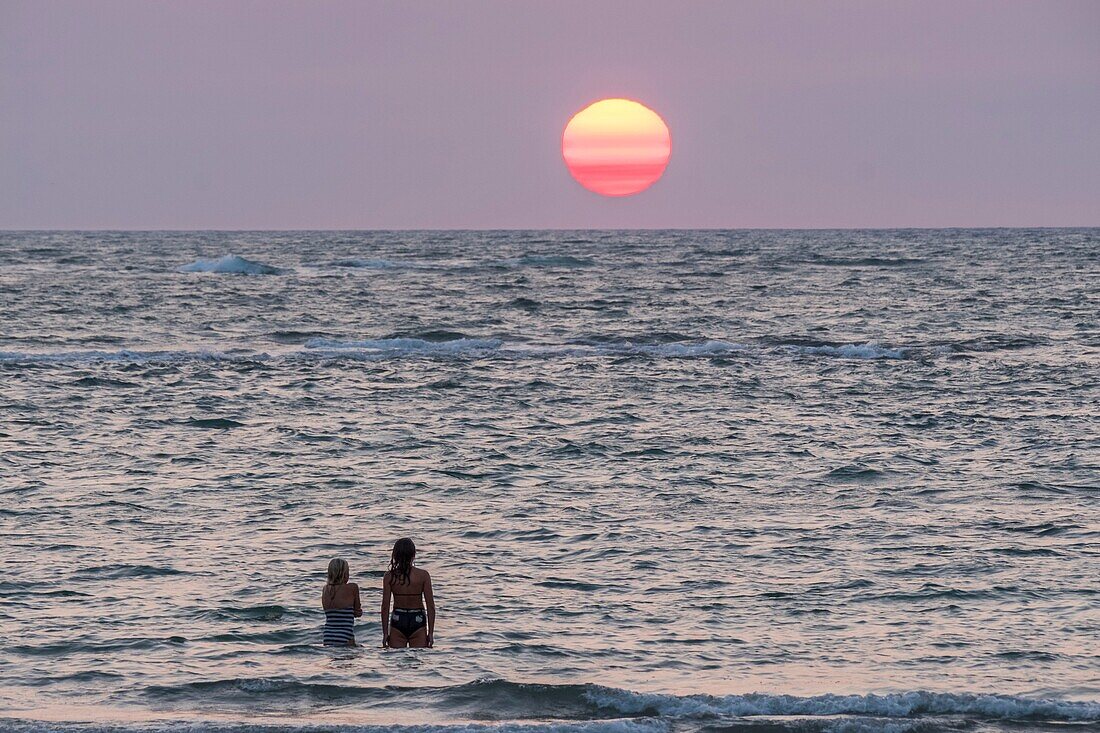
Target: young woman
pixel 340 599
pixel 411 588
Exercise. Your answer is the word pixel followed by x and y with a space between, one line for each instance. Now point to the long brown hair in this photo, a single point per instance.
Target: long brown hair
pixel 401 561
pixel 338 574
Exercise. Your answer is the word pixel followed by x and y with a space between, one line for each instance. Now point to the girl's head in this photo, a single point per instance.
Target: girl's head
pixel 338 571
pixel 404 551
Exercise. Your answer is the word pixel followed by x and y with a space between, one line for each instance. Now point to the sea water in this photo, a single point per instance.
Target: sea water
pixel 663 481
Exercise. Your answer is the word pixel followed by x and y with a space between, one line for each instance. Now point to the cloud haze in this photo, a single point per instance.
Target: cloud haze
pixel 230 114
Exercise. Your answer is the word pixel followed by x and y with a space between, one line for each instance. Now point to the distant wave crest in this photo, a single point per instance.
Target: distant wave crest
pixel 453 344
pixel 367 264
pixel 126 356
pixel 406 345
pixel 231 265
pixel 852 351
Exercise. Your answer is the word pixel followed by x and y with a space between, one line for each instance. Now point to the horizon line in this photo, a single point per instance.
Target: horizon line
pixel 558 229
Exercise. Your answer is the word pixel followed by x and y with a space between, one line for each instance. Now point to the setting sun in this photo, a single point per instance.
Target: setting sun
pixel 616 147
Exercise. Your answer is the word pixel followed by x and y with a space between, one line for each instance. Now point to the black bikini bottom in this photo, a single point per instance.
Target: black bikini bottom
pixel 407 620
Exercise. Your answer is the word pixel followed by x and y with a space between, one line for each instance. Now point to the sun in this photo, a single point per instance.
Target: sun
pixel 616 147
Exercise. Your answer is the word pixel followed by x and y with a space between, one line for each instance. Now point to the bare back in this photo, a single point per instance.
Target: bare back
pixel 345 595
pixel 411 594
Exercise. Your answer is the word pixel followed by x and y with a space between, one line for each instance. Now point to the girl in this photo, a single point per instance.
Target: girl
pixel 340 599
pixel 408 585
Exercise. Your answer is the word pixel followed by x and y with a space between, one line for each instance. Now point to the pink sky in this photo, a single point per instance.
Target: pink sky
pixel 274 114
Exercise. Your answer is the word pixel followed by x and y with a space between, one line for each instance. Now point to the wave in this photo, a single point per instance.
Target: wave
pixel 525 261
pixel 851 351
pixel 429 345
pixel 893 705
pixel 707 348
pixel 525 304
pixel 126 356
pixel 996 342
pixel 125 571
pixel 211 423
pixel 406 345
pixel 367 264
pixel 554 261
pixel 498 706
pixel 502 700
pixel 447 343
pixel 630 348
pixel 245 613
pixel 231 265
pixel 862 261
pixel 222 726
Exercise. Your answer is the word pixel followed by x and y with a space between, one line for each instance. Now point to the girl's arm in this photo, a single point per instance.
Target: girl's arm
pixel 429 601
pixel 386 609
pixel 358 606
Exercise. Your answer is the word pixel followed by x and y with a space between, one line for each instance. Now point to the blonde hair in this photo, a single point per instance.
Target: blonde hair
pixel 338 574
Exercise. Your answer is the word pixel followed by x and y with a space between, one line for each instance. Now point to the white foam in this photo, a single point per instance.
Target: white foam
pixel 231 265
pixel 852 351
pixel 897 705
pixel 707 348
pixel 626 348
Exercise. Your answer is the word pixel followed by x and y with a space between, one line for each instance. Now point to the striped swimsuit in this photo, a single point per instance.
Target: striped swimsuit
pixel 340 626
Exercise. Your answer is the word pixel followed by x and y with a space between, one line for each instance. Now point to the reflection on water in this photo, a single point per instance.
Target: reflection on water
pixel 641 467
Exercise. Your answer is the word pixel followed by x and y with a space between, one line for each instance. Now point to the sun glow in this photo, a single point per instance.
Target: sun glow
pixel 616 147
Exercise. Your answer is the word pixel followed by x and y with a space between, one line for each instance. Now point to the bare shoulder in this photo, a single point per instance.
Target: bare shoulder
pixel 421 574
pixel 353 587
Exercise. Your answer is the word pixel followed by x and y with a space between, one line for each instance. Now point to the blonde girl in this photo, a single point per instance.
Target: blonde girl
pixel 340 599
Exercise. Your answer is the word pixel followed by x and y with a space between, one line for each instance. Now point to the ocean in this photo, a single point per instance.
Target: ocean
pixel 663 480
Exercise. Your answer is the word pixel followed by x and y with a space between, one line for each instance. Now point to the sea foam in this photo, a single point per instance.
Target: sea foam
pixel 231 265
pixel 894 705
pixel 852 351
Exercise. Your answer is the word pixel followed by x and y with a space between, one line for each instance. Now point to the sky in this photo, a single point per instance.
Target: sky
pixel 225 114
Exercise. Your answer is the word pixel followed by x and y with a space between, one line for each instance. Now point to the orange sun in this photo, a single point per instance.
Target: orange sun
pixel 616 147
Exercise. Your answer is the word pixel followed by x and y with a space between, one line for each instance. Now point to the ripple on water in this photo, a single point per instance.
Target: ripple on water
pixel 671 463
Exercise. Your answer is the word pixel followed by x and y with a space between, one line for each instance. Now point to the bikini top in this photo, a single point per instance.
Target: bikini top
pixel 410 594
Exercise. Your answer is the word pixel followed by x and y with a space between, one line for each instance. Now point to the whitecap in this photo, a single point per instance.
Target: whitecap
pixel 852 351
pixel 706 348
pixel 231 265
pixel 894 705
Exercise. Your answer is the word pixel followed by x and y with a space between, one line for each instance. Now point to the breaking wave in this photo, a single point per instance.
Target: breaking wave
pixel 852 351
pixel 512 702
pixel 894 705
pixel 231 265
